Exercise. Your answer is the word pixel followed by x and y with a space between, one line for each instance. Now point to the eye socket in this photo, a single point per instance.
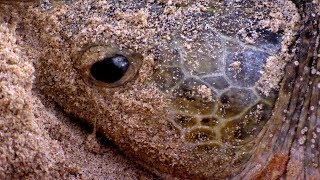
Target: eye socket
pixel 108 66
pixel 110 70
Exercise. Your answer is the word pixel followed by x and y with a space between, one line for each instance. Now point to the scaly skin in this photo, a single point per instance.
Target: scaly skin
pixel 140 115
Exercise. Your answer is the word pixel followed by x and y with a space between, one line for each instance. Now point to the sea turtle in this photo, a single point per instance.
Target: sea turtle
pixel 189 89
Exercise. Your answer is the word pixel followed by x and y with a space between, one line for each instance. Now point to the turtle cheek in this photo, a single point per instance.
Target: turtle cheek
pixel 247 126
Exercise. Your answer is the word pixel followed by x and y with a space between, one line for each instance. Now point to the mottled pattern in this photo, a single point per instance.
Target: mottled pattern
pixel 235 111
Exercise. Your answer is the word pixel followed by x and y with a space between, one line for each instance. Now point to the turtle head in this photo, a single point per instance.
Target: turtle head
pixel 184 89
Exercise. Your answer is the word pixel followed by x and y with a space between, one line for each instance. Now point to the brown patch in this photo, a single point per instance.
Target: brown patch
pixel 275 168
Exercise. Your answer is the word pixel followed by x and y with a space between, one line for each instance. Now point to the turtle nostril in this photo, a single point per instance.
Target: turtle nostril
pixel 110 70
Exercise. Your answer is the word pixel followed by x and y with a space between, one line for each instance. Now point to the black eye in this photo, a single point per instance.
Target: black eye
pixel 107 67
pixel 110 70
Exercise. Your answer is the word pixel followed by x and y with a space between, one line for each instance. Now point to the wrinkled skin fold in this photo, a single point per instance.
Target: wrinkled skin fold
pixel 297 108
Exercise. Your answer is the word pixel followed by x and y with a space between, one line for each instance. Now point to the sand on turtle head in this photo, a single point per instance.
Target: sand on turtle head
pixel 54 26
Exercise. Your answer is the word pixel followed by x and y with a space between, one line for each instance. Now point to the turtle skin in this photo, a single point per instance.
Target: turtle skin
pixel 190 106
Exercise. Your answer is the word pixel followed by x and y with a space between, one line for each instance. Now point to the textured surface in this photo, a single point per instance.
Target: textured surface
pixel 197 102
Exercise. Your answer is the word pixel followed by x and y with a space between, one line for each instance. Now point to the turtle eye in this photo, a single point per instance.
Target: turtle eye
pixel 108 66
pixel 110 70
